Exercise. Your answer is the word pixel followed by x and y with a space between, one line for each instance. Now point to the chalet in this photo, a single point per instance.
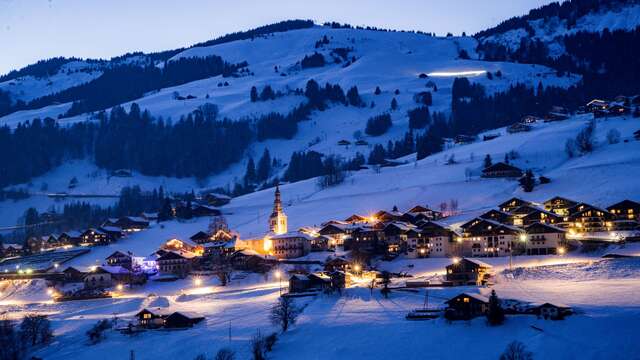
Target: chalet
pixel 361 142
pixel 113 232
pixel 530 119
pixel 73 275
pixel 321 243
pixel 497 215
pixel 559 205
pixel 489 238
pixel 337 264
pixel 181 319
pixel 200 237
pixel 95 237
pixel 588 218
pixel 544 239
pixel 557 113
pixel 12 250
pixel 302 283
pixel 250 260
pixel 518 127
pixel 597 105
pixel 204 210
pixel 184 246
pixel 98 278
pixel 501 170
pixel 36 244
pixel 553 311
pixel 625 210
pixel 151 319
pixel 464 139
pixel 344 142
pixel 70 238
pixel 511 204
pixel 215 199
pixel 356 219
pixel 290 245
pixel 618 109
pixel 365 238
pixel 468 272
pixel 433 240
pixel 466 306
pixel 422 212
pixel 395 235
pixel 337 232
pixel 175 263
pixel 149 216
pixel 119 258
pixel 528 214
pixel 340 279
pixel 129 223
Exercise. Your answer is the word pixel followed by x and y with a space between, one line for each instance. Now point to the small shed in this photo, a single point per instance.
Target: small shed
pixel 553 311
pixel 182 319
pixel 466 306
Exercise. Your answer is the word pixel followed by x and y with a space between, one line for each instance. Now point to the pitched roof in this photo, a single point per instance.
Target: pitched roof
pixel 501 167
pixel 478 297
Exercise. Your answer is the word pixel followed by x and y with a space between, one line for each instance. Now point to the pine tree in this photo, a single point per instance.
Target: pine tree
pixel 394 104
pixel 487 161
pixel 527 181
pixel 250 173
pixel 377 91
pixel 495 314
pixel 264 166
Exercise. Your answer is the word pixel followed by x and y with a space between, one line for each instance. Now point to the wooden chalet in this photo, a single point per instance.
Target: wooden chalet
pixel 215 199
pixel 625 210
pixel 337 232
pixel 518 127
pixel 395 235
pixel 497 215
pixel 466 306
pixel 464 139
pixel 553 311
pixel 70 238
pixel 529 119
pixel 175 263
pixel 250 260
pixel 512 204
pixel 95 237
pixel 72 275
pixel 112 232
pixel 559 205
pixel 98 278
pixel 501 170
pixel 201 237
pixel 597 105
pixel 488 238
pixel 151 319
pixel 365 238
pixel 544 239
pixel 337 263
pixel 528 214
pixel 424 213
pixel 588 218
pixel 433 240
pixel 468 272
pixel 119 258
pixel 355 218
pixel 128 223
pixel 184 245
pixel 204 210
pixel 182 319
pixel 302 283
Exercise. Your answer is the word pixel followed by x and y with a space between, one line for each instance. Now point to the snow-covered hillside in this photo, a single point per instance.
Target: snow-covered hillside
pixel 550 30
pixel 391 60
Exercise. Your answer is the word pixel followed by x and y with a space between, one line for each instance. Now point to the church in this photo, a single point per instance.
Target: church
pixel 279 242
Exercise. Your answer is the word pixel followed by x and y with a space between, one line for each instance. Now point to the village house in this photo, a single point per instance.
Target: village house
pixel 215 199
pixel 11 250
pixel 467 272
pixel 512 204
pixel 119 258
pixel 528 214
pixel 434 240
pixel 501 170
pixel 250 260
pixel 336 232
pixel 544 239
pixel 128 223
pixel 70 238
pixel 289 245
pixel 200 210
pixel 149 216
pixel 553 311
pixel 73 275
pixel 422 212
pixel 151 319
pixel 498 215
pixel 395 235
pixel 182 319
pixel 488 238
pixel 625 210
pixel 95 237
pixel 97 278
pixel 200 237
pixel 586 218
pixel 597 105
pixel 466 306
pixel 175 263
pixel 112 232
pixel 365 238
pixel 559 205
pixel 337 263
pixel 518 127
pixel 184 246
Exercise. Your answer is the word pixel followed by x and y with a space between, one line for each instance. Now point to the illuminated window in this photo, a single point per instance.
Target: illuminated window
pixel 466 300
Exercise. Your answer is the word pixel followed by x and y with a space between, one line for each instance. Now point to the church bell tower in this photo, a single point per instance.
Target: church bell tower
pixel 277 220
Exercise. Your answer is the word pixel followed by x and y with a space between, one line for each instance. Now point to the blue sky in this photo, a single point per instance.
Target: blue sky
pixel 35 29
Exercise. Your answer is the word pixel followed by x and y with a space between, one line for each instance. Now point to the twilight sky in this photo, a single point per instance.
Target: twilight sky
pixel 35 29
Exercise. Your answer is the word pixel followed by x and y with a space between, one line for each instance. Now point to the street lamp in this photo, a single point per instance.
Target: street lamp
pixel 561 251
pixel 278 275
pixel 197 281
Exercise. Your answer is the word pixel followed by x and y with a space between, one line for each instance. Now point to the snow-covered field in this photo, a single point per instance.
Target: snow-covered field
pixel 361 324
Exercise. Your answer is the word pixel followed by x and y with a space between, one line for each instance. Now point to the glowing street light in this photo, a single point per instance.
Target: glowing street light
pixel 357 268
pixel 120 287
pixel 197 281
pixel 456 260
pixel 278 276
pixel 561 251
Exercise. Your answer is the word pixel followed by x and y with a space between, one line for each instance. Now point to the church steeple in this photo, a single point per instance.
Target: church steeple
pixel 277 220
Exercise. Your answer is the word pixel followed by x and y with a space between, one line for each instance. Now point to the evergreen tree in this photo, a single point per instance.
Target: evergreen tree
pixel 487 161
pixel 254 94
pixel 264 166
pixel 495 314
pixel 394 104
pixel 528 181
pixel 250 173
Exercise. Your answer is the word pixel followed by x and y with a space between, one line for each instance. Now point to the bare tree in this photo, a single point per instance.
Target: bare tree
pixel 225 354
pixel 258 347
pixel 453 206
pixel 284 313
pixel 9 341
pixel 516 351
pixel 35 329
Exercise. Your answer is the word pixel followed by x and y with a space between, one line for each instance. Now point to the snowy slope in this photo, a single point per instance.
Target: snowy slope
pixel 391 60
pixel 71 74
pixel 551 30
